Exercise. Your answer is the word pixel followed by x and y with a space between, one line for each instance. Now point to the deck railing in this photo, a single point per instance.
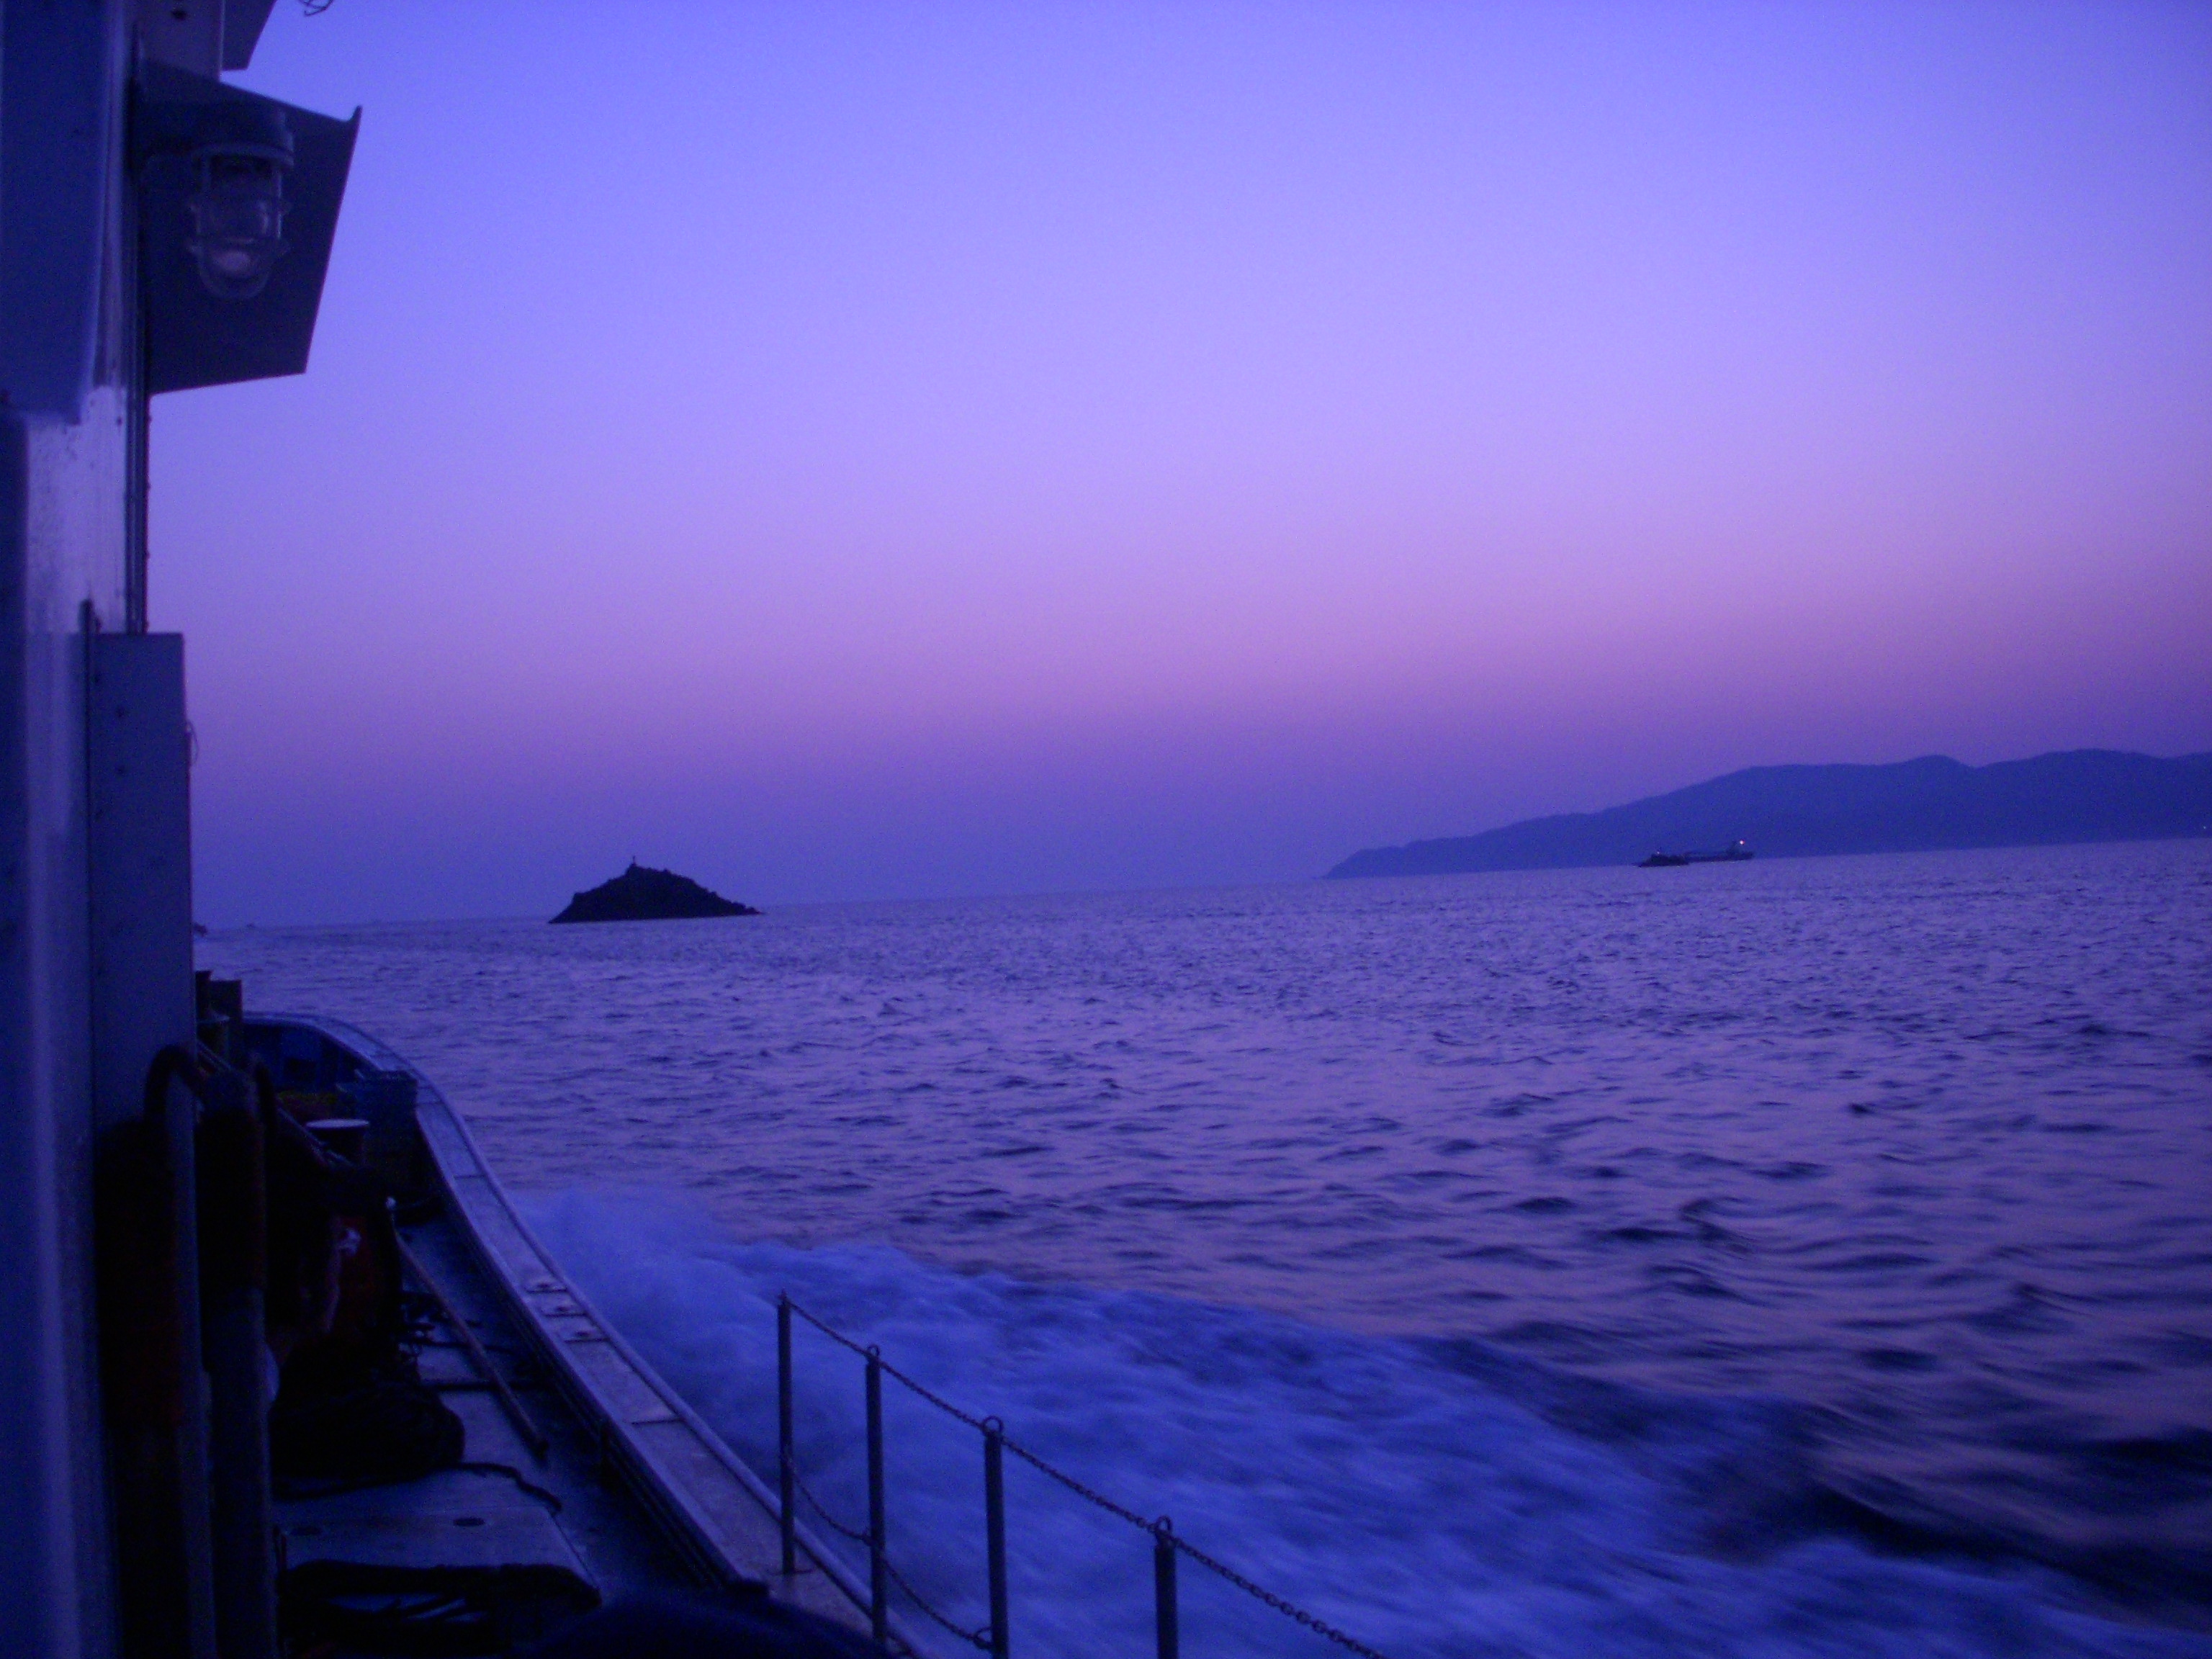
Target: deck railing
pixel 994 1637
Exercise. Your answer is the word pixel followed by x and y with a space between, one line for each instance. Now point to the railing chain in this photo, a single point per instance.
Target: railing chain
pixel 980 1638
pixel 821 1510
pixel 1167 1542
pixel 1317 1626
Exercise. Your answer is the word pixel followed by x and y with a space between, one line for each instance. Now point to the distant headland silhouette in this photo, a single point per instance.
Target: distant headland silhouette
pixel 1797 812
pixel 643 895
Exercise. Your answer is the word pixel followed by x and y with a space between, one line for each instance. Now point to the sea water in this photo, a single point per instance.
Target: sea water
pixel 1798 1257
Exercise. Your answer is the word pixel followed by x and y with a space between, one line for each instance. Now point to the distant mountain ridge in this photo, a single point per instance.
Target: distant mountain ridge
pixel 1792 812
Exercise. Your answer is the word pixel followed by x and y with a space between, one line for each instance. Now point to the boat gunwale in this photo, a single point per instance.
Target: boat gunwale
pixel 678 1512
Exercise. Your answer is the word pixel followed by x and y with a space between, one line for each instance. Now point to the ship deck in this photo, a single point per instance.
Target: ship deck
pixel 632 1491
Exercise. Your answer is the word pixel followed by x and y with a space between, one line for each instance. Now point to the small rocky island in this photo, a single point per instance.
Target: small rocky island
pixel 643 895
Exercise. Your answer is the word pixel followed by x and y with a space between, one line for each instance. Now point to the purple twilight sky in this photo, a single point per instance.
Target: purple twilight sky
pixel 847 451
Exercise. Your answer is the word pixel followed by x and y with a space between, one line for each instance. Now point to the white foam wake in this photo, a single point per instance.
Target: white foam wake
pixel 1421 1502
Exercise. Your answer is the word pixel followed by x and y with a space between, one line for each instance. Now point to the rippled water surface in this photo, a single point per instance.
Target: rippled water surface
pixel 1848 1204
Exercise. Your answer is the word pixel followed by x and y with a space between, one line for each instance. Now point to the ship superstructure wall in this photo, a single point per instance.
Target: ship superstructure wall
pixel 67 392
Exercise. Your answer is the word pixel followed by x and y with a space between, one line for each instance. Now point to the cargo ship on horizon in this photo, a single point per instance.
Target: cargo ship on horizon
pixel 1735 852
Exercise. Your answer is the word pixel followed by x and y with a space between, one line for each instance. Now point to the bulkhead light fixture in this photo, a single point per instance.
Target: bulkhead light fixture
pixel 238 204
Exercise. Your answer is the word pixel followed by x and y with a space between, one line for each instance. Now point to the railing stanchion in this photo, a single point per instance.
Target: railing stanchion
pixel 994 1640
pixel 878 1583
pixel 994 1528
pixel 1163 1589
pixel 787 1466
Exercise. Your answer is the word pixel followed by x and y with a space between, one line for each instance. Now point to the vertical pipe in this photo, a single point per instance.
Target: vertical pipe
pixel 878 1580
pixel 153 1383
pixel 233 1242
pixel 995 1528
pixel 1163 1589
pixel 787 1471
pixel 181 1127
pixel 136 474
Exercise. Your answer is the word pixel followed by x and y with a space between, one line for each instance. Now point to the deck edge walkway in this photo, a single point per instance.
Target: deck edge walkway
pixel 707 1498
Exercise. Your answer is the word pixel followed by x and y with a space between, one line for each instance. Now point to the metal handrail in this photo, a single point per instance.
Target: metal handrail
pixel 993 1639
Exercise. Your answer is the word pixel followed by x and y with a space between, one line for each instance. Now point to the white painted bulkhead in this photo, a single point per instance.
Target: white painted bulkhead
pixel 95 906
pixel 65 487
